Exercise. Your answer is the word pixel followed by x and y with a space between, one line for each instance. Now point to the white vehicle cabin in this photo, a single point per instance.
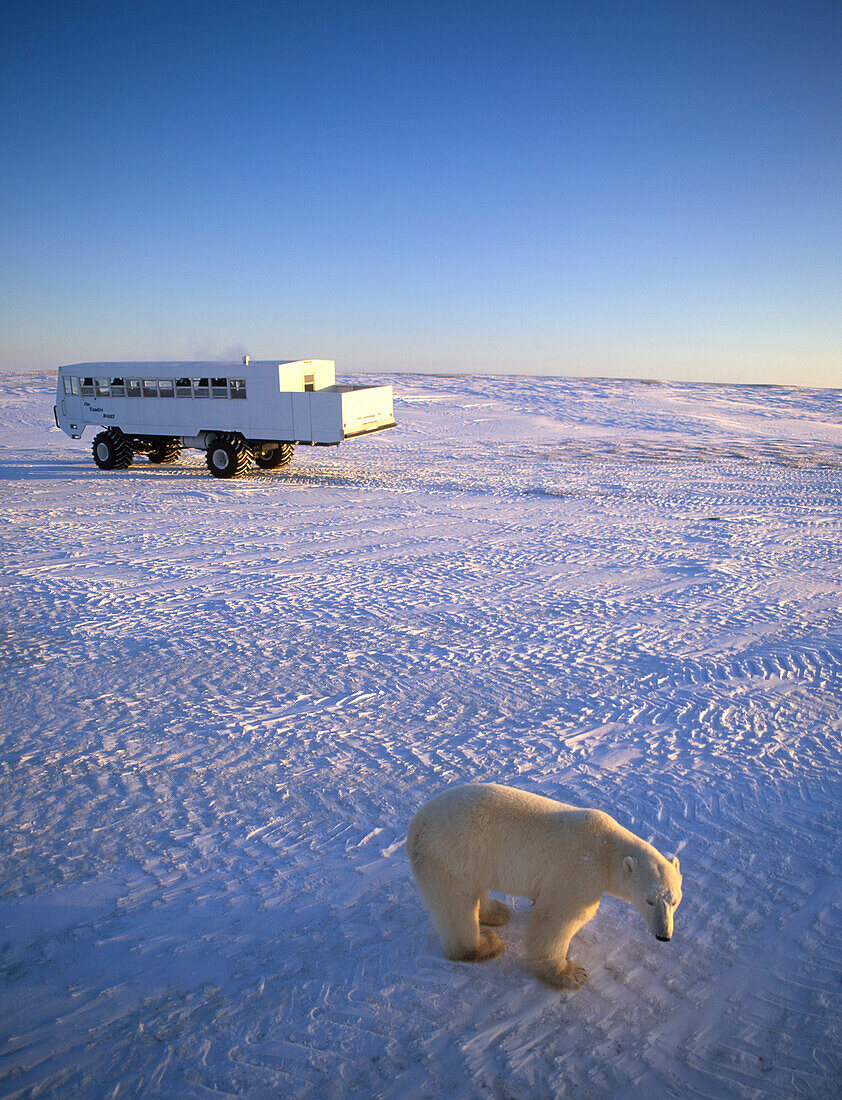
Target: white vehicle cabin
pixel 238 413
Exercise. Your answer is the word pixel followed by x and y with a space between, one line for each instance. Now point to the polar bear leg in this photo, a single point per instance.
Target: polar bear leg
pixel 458 923
pixel 548 941
pixel 455 912
pixel 492 911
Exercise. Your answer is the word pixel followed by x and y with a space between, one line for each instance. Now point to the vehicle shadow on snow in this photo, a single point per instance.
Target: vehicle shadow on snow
pixel 82 469
pixel 36 469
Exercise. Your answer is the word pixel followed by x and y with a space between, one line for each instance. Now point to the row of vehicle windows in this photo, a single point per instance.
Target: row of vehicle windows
pixel 155 387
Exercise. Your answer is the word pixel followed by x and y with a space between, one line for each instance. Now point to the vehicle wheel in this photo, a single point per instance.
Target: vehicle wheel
pixel 164 453
pixel 281 456
pixel 228 456
pixel 112 451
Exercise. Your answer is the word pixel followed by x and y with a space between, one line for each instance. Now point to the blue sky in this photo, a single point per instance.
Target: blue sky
pixel 628 189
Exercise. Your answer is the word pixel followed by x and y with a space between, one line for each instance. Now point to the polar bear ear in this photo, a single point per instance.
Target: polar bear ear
pixel 675 863
pixel 629 864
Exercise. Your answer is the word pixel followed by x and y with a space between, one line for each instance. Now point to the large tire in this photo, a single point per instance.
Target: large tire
pixel 229 456
pixel 112 450
pixel 280 456
pixel 166 452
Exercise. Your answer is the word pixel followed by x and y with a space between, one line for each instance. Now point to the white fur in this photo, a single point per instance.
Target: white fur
pixel 472 839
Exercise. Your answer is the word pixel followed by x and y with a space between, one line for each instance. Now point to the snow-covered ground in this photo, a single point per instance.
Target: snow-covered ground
pixel 222 701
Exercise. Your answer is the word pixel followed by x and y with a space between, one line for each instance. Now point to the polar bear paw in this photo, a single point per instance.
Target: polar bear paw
pixel 570 976
pixel 494 912
pixel 489 947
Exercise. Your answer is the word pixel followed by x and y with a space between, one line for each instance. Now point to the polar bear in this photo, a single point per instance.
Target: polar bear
pixel 480 837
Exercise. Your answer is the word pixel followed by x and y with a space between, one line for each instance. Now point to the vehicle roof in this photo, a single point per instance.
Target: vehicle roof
pixel 186 365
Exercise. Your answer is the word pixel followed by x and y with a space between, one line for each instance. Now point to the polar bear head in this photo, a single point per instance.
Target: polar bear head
pixel 654 889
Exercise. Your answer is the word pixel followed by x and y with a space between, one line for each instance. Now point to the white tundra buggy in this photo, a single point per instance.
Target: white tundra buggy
pixel 236 412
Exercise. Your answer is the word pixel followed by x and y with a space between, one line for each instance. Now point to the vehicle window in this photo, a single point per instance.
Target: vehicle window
pixel 133 387
pixel 118 389
pixel 165 388
pixel 237 387
pixel 102 387
pixel 71 385
pixel 88 386
pixel 309 383
pixel 200 387
pixel 219 387
pixel 150 387
pixel 183 387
